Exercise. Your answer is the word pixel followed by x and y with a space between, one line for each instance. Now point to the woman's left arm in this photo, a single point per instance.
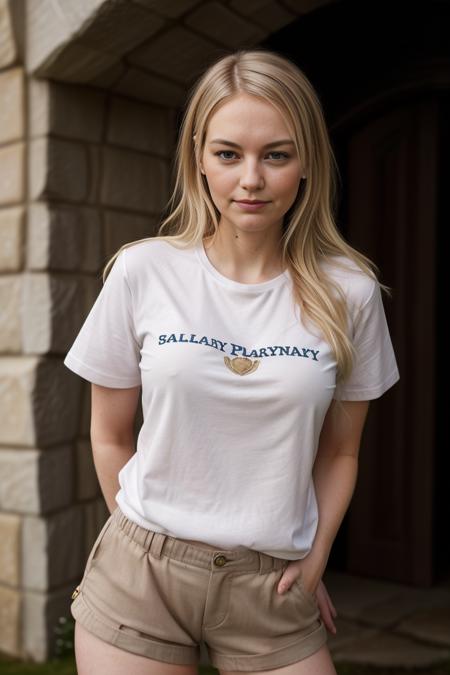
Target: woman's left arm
pixel 334 475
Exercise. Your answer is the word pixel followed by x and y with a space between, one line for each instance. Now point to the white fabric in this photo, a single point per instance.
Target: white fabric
pixel 224 457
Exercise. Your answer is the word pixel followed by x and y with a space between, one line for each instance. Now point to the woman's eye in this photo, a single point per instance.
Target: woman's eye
pixel 222 152
pixel 279 155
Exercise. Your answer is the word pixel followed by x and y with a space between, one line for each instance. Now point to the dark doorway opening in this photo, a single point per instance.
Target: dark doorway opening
pixel 382 73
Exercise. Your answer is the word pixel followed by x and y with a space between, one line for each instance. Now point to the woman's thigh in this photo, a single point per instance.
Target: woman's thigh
pixel 319 663
pixel 96 657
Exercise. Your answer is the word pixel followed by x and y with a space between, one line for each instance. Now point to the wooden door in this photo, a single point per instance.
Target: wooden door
pixel 391 182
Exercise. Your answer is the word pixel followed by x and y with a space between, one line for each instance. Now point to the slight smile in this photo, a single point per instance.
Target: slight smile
pixel 250 205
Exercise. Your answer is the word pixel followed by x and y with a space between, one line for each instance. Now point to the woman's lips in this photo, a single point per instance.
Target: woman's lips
pixel 254 206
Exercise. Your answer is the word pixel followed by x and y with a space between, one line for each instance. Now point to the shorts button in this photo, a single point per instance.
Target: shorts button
pixel 75 593
pixel 220 560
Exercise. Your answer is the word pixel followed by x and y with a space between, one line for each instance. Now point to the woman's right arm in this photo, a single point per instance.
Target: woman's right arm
pixel 113 414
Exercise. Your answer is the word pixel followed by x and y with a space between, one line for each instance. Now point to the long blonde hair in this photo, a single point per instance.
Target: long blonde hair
pixel 310 235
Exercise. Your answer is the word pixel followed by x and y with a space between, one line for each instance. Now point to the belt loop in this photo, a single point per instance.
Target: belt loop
pixel 265 562
pixel 157 543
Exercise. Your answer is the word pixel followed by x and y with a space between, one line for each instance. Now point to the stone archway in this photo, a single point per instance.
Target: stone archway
pixel 89 96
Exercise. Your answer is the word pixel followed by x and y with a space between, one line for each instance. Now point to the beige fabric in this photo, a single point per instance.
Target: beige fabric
pixel 159 596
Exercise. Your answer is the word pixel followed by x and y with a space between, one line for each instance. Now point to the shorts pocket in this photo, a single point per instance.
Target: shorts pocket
pixel 298 584
pixel 92 555
pixel 96 546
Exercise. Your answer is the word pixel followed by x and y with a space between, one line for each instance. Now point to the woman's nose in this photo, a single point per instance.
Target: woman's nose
pixel 251 176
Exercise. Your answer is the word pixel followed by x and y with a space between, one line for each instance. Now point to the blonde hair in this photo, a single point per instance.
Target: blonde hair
pixel 310 235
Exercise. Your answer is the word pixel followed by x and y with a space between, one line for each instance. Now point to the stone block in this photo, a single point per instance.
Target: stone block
pixel 51 551
pixel 215 20
pixel 17 376
pixel 68 111
pixel 37 310
pixel 140 126
pixel 59 170
pixel 36 481
pixel 134 181
pixel 96 169
pixel 12 112
pixel 386 649
pixel 173 9
pixel 66 238
pixel 161 55
pixel 49 26
pixel 119 27
pixel 88 486
pixel 251 7
pixel 53 309
pixel 109 77
pixel 121 228
pixel 77 63
pixel 58 422
pixel 354 596
pixel 402 604
pixel 12 170
pixel 56 483
pixel 266 13
pixel 17 10
pixel 304 6
pixel 10 620
pixel 95 514
pixel 8 47
pixel 35 629
pixel 19 475
pixel 10 305
pixel 10 532
pixel 428 625
pixel 76 298
pixel 147 87
pixel 41 615
pixel 39 399
pixel 11 236
pixel 46 316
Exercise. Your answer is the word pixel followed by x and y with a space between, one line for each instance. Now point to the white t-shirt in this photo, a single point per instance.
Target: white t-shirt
pixel 234 393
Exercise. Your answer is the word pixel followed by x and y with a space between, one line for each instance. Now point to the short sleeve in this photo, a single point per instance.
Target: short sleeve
pixel 106 351
pixel 375 367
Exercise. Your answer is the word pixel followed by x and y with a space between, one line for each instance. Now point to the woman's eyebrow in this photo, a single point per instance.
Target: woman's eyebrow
pixel 284 141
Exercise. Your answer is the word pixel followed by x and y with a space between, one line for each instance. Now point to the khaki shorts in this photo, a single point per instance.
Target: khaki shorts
pixel 160 597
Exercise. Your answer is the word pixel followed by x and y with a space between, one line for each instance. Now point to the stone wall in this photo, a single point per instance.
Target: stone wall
pixel 81 172
pixel 12 371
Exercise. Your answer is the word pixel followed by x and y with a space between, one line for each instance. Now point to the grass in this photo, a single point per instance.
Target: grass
pixel 63 662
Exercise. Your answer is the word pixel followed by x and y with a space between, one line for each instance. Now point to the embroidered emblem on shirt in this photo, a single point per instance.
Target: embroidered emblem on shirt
pixel 241 365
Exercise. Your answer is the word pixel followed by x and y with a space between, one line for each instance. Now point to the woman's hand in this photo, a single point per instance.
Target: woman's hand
pixel 296 569
pixel 327 609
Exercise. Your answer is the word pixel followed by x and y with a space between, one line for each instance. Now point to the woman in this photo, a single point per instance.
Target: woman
pixel 258 336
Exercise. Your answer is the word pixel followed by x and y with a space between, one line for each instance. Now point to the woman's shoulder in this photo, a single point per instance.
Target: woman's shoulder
pixel 144 248
pixel 149 254
pixel 357 285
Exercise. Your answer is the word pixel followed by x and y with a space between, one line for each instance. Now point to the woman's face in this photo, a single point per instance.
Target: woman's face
pixel 249 154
